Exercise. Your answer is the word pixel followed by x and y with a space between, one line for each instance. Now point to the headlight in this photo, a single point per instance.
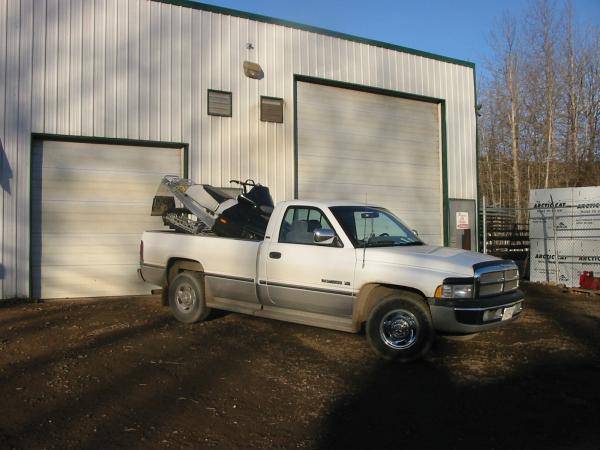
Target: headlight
pixel 454 291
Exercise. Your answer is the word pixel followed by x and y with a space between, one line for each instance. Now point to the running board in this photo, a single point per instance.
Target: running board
pixel 284 314
pixel 307 318
pixel 234 305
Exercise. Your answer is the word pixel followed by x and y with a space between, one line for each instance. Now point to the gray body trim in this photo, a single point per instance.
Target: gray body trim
pixel 233 305
pixel 228 277
pixel 225 287
pixel 506 305
pixel 320 301
pixel 153 274
pixel 306 288
pixel 324 308
pixel 445 320
pixel 284 314
pixel 307 318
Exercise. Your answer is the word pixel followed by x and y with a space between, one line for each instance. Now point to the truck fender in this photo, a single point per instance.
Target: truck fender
pixel 372 293
pixel 175 266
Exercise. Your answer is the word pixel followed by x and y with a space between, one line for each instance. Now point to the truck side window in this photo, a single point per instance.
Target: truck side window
pixel 299 224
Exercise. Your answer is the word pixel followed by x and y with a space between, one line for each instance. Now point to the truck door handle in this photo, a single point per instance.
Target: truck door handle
pixel 275 255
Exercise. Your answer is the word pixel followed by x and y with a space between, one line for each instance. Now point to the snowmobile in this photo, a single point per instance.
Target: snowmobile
pixel 201 208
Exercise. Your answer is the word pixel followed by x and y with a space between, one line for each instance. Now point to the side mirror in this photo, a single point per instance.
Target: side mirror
pixel 415 232
pixel 323 236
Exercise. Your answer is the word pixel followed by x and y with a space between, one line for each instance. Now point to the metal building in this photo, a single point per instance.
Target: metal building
pixel 99 98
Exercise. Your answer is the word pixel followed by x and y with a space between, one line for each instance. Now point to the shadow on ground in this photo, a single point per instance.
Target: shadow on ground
pixel 126 375
pixel 552 401
pixel 552 405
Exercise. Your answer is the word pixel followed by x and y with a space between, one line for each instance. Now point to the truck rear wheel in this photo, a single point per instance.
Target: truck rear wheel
pixel 400 328
pixel 186 298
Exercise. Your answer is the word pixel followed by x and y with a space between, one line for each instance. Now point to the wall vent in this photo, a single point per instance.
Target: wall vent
pixel 219 103
pixel 271 109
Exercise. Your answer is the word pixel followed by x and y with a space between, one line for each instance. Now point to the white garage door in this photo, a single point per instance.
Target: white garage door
pixel 90 204
pixel 352 143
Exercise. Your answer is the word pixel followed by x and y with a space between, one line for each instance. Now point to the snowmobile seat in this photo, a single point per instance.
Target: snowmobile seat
pixel 219 195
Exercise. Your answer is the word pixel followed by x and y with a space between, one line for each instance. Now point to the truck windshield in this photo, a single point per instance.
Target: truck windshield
pixel 373 227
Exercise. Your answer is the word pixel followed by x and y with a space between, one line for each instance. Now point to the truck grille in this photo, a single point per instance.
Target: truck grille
pixel 494 280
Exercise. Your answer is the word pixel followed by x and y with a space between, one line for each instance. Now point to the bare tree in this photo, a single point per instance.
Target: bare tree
pixel 507 69
pixel 574 82
pixel 547 31
pixel 540 104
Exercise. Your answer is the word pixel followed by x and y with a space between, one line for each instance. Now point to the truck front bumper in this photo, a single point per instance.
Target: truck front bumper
pixel 473 316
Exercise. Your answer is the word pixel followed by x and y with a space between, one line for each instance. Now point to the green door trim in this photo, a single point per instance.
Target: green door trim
pixel 91 140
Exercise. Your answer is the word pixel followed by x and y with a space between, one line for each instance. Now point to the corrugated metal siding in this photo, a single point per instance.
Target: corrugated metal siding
pixel 140 69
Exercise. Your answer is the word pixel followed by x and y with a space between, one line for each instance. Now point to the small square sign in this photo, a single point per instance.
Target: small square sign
pixel 462 220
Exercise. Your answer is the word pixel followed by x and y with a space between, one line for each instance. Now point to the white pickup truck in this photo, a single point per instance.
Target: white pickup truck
pixel 336 265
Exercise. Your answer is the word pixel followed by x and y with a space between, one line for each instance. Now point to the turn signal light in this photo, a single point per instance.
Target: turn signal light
pixel 438 292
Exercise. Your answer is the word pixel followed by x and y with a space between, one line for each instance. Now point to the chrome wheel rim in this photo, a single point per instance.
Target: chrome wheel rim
pixel 185 298
pixel 399 329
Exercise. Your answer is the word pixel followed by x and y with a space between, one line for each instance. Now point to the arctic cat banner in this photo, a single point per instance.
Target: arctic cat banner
pixel 571 234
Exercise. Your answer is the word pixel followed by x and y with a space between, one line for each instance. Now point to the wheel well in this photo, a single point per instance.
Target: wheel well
pixel 372 293
pixel 177 265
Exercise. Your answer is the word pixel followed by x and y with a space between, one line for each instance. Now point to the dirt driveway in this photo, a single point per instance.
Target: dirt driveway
pixel 123 373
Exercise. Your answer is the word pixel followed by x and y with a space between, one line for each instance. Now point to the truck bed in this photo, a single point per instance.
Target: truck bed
pixel 220 255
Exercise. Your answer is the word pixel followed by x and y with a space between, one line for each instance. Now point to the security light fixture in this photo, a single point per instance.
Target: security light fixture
pixel 253 70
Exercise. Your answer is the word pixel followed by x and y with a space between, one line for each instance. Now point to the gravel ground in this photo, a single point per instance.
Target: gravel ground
pixel 122 373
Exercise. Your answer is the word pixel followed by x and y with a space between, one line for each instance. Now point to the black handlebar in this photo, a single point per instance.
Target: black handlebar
pixel 248 182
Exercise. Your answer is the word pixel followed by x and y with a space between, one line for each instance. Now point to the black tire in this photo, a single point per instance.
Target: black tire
pixel 400 328
pixel 186 298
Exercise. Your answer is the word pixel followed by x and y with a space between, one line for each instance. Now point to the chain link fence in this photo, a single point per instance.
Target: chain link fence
pixel 555 240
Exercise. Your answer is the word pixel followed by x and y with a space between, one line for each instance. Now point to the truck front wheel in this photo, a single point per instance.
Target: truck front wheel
pixel 400 328
pixel 186 298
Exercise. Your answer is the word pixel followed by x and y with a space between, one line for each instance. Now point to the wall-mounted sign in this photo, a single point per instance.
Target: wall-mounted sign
pixel 462 220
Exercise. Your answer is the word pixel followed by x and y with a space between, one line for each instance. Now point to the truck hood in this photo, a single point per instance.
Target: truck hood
pixel 443 259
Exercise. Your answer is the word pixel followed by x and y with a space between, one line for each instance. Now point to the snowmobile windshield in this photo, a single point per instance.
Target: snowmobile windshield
pixel 164 200
pixel 260 195
pixel 173 182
